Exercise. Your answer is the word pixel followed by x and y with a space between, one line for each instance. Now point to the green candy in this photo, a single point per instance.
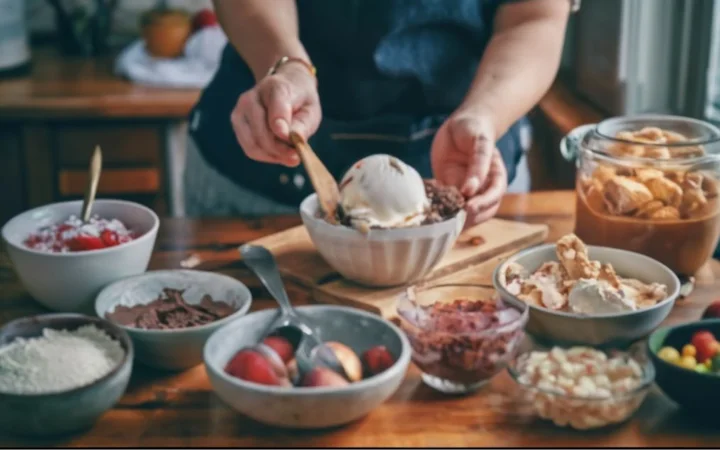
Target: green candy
pixel 702 368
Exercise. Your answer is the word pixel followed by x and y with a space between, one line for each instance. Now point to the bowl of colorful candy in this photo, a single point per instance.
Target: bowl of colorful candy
pixel 64 262
pixel 687 362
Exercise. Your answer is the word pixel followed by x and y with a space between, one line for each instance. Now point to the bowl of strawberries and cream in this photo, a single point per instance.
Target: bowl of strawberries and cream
pixel 64 262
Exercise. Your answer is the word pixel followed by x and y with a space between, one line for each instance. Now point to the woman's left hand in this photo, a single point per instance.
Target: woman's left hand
pixel 464 155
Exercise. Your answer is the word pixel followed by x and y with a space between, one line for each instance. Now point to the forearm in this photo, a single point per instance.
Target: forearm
pixel 262 31
pixel 520 61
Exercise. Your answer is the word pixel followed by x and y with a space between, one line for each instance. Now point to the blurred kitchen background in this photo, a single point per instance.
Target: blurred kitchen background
pixel 65 64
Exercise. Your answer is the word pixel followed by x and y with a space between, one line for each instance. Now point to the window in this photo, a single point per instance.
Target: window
pixel 637 56
pixel 712 103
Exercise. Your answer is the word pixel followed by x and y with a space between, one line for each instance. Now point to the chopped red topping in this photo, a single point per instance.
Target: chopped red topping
pixel 75 236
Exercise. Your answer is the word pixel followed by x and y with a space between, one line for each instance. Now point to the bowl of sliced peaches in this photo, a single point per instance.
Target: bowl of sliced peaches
pixel 267 375
pixel 587 295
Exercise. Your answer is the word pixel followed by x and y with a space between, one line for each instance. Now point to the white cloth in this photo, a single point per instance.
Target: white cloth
pixel 194 69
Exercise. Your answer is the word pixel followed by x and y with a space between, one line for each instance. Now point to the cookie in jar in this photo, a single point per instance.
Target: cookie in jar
pixel 649 184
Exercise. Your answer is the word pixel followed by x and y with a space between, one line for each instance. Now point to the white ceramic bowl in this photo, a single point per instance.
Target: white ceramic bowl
pixel 181 348
pixel 69 282
pixel 616 329
pixel 309 407
pixel 382 257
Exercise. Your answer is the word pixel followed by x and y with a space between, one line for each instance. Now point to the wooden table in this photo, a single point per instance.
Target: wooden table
pixel 180 410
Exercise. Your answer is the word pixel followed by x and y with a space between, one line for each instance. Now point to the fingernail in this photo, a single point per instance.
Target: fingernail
pixel 294 159
pixel 282 128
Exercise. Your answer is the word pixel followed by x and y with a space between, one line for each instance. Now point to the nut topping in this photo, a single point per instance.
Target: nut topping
pixel 665 191
pixel 623 195
pixel 649 193
pixel 554 283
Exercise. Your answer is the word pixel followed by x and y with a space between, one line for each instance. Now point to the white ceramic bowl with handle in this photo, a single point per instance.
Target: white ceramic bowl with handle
pixel 380 258
pixel 69 282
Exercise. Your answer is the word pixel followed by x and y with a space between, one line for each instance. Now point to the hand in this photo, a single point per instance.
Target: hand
pixel 264 115
pixel 463 155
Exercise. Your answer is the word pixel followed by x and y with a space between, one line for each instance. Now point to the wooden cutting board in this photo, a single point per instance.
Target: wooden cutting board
pixel 476 253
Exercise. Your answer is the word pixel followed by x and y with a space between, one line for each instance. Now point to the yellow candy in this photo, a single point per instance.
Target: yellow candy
pixel 669 354
pixel 708 363
pixel 687 362
pixel 689 350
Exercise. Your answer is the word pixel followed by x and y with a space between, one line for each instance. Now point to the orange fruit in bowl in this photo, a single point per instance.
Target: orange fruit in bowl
pixel 165 32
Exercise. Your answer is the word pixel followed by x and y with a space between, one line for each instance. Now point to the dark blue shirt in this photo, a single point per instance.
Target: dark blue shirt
pixel 389 73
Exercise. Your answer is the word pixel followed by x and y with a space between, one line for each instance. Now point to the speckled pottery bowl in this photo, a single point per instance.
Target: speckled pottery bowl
pixel 599 330
pixel 181 348
pixel 309 407
pixel 70 411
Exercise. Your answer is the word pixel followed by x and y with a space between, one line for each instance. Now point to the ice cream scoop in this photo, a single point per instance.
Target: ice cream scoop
pixel 598 297
pixel 382 191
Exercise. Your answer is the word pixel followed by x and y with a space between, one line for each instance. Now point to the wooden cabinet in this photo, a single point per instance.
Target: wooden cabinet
pixel 54 157
pixel 52 119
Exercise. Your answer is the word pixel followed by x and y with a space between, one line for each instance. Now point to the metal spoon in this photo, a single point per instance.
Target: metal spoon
pixel 262 263
pixel 94 178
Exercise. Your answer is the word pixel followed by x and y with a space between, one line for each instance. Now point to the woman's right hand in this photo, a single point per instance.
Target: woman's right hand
pixel 264 115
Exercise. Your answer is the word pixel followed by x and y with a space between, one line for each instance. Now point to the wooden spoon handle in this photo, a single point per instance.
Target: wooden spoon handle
pixel 94 171
pixel 325 185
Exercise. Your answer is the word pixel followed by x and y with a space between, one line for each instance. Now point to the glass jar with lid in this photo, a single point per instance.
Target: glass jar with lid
pixel 649 184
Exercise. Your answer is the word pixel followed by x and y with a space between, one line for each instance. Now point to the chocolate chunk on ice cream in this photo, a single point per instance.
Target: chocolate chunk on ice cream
pixel 170 311
pixel 445 201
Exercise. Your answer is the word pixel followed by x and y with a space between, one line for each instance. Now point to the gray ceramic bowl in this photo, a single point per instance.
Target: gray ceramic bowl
pixel 618 329
pixel 181 348
pixel 69 282
pixel 303 407
pixel 68 411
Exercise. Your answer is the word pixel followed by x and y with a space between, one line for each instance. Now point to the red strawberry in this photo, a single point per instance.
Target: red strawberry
pixel 109 238
pixel 204 18
pixel 84 242
pixel 377 359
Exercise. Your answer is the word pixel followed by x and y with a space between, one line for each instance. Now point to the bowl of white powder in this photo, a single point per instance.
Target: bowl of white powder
pixel 60 372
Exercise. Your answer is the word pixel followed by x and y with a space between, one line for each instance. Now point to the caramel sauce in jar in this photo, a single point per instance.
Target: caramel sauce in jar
pixel 682 245
pixel 649 184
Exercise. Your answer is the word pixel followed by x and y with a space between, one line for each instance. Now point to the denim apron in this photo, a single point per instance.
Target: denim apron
pixel 389 73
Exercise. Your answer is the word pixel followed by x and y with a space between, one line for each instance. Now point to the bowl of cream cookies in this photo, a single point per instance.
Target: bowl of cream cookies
pixel 587 295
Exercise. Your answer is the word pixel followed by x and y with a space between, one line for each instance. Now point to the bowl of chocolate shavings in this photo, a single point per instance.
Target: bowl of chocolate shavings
pixel 169 314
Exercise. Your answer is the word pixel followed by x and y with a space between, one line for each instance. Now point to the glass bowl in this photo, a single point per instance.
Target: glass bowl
pixel 460 346
pixel 582 412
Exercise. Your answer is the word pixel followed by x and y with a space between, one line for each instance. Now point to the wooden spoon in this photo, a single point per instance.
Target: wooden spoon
pixel 325 185
pixel 94 172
